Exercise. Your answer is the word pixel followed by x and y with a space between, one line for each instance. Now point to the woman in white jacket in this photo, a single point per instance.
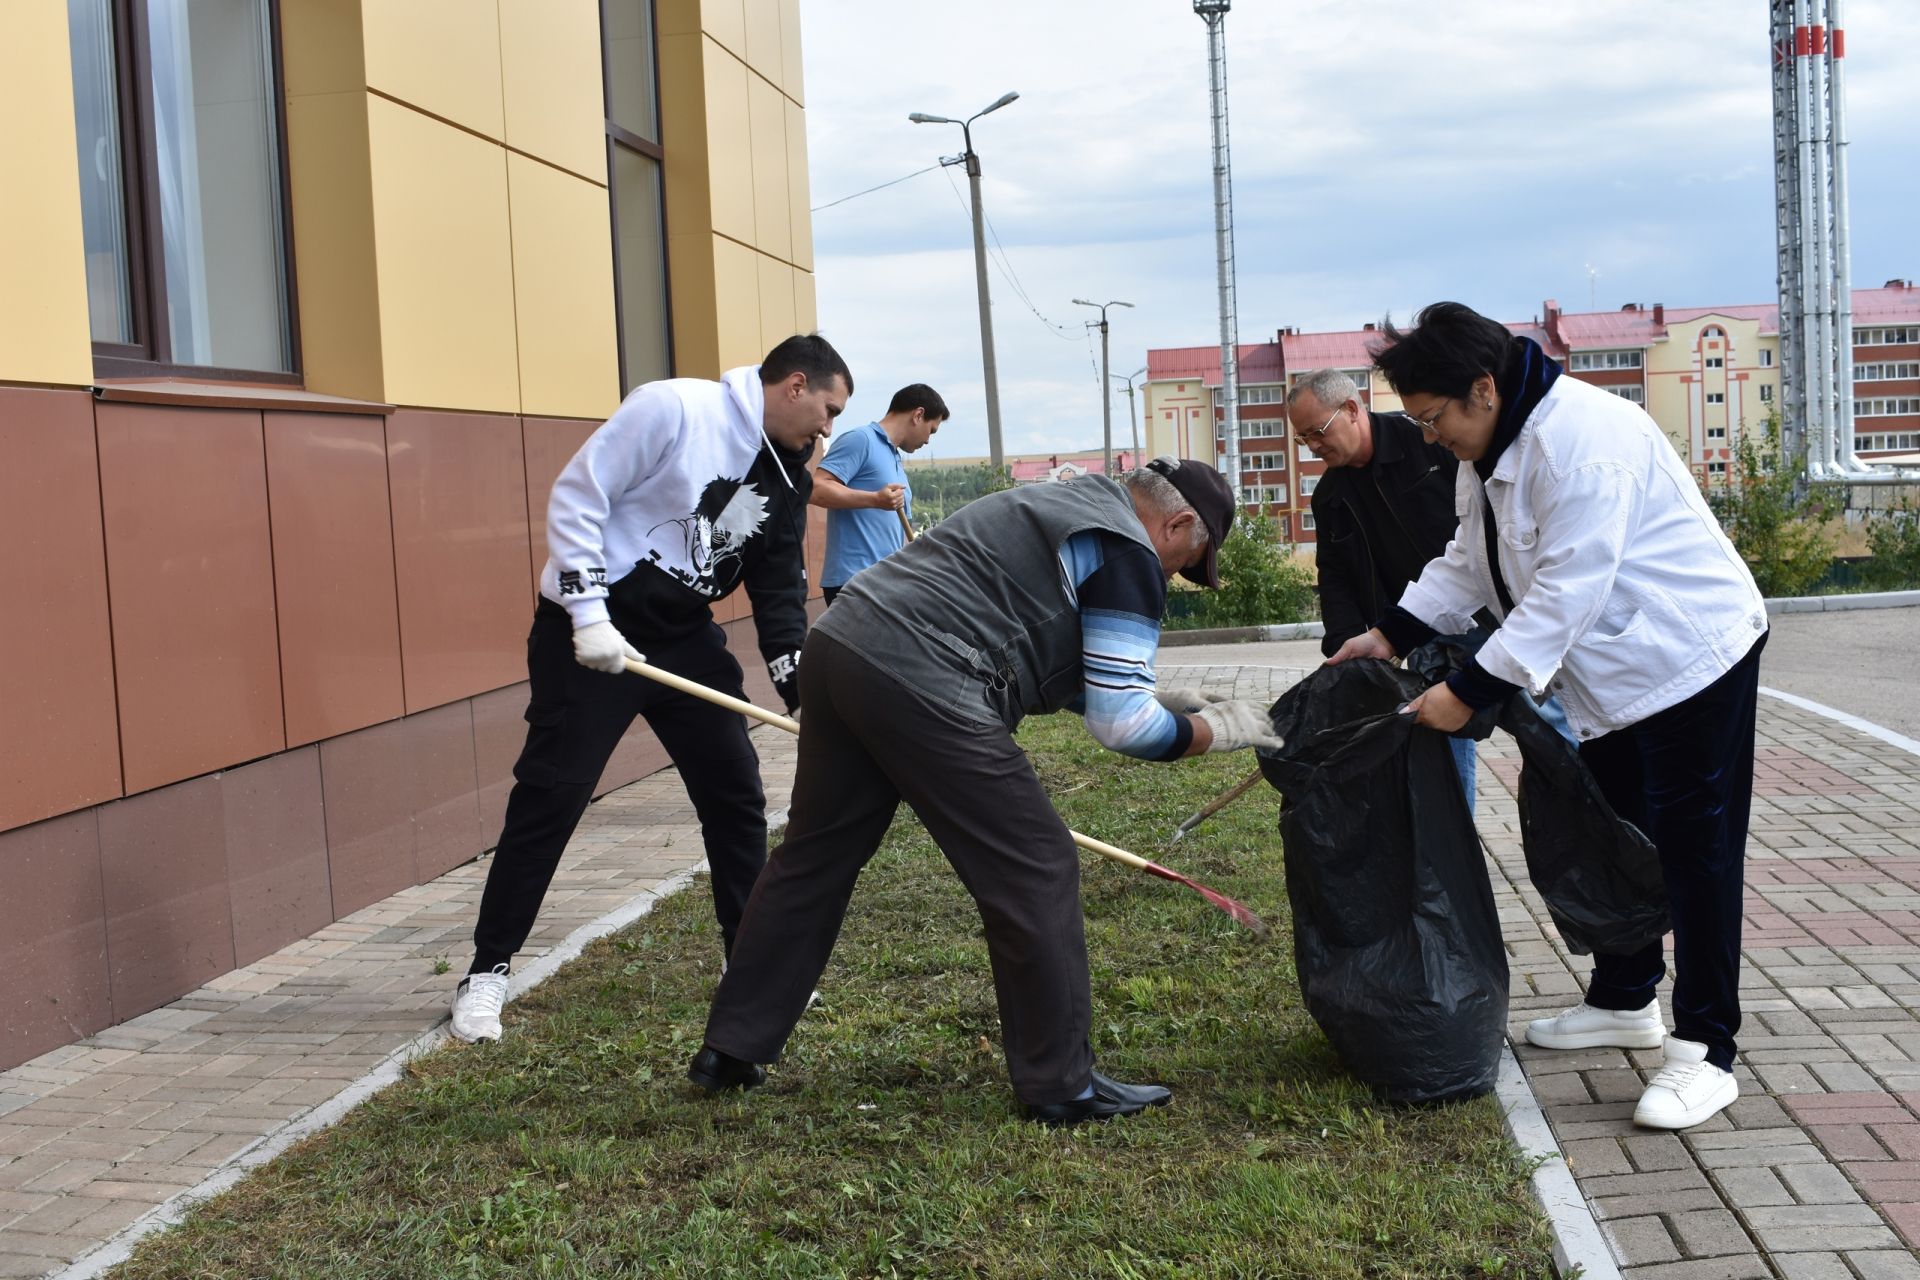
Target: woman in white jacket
pixel 1585 534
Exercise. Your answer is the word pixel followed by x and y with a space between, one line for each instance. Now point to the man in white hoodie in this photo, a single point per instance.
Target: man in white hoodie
pixel 689 491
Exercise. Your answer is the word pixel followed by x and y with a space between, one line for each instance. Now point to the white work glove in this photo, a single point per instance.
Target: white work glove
pixel 1239 725
pixel 1186 701
pixel 601 647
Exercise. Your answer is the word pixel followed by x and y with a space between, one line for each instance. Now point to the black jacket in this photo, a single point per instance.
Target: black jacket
pixel 1367 559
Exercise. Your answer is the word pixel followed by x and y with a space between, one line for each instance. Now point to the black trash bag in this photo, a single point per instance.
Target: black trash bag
pixel 1396 938
pixel 1598 873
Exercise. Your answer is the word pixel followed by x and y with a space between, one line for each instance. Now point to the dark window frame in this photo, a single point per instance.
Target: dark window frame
pixel 140 185
pixel 620 136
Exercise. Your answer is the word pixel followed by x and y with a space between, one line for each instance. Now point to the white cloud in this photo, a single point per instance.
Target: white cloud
pixel 1385 154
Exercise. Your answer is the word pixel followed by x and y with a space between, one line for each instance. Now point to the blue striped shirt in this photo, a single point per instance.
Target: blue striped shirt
pixel 1120 591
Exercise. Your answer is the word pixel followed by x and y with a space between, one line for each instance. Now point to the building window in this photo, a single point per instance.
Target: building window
pixel 1886 372
pixel 1766 357
pixel 1716 362
pixel 1766 393
pixel 1886 337
pixel 1716 433
pixel 1636 394
pixel 1306 522
pixel 634 161
pixel 1306 454
pixel 1260 395
pixel 1717 470
pixel 1880 441
pixel 1889 407
pixel 1308 484
pixel 1716 397
pixel 1586 361
pixel 182 189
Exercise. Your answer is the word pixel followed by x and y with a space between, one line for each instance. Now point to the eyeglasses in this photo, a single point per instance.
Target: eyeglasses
pixel 1426 424
pixel 1320 433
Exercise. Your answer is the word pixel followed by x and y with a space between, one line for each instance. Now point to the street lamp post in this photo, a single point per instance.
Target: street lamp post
pixel 1106 393
pixel 1132 415
pixel 972 161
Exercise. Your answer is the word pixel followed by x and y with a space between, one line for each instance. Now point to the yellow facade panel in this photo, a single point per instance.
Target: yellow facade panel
pixel 551 75
pixel 45 335
pixel 773 220
pixel 442 56
pixel 729 152
pixel 736 292
pixel 726 22
pixel 322 49
pixel 806 312
pixel 563 292
pixel 776 302
pixel 683 125
pixel 330 177
pixel 675 18
pixel 445 263
pixel 764 42
pixel 696 341
pixel 799 193
pixel 792 74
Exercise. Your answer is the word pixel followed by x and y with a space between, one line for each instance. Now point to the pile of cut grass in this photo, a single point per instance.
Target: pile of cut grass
pixel 887 1141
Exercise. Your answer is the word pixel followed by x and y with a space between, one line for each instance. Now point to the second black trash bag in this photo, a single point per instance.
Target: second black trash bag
pixel 1396 939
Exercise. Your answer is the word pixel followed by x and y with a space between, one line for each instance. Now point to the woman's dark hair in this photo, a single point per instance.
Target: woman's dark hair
pixel 1449 346
pixel 918 395
pixel 807 353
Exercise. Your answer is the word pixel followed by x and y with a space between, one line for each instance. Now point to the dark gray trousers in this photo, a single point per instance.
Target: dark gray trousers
pixel 866 743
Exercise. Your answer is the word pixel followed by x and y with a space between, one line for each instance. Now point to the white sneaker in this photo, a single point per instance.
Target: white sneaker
pixel 1688 1089
pixel 476 1005
pixel 1585 1027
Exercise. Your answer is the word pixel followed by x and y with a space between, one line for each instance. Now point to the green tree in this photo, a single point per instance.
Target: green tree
pixel 1893 538
pixel 1780 531
pixel 939 491
pixel 1260 583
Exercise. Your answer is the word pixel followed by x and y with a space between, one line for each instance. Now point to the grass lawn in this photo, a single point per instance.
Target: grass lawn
pixel 887 1141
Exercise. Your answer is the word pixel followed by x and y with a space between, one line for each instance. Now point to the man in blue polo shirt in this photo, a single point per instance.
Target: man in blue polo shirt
pixel 863 485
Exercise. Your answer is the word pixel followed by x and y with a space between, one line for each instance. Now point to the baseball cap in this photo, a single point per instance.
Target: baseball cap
pixel 1207 493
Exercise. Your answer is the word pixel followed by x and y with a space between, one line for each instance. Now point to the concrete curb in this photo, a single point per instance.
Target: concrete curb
pixel 119 1248
pixel 1832 604
pixel 1577 1241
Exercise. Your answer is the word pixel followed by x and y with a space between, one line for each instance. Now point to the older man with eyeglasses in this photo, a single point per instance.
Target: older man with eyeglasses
pixel 1381 512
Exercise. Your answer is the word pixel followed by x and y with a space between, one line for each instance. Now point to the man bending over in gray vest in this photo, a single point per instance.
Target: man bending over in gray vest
pixel 1033 600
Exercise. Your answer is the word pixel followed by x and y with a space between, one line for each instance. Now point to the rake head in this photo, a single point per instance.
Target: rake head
pixel 1238 910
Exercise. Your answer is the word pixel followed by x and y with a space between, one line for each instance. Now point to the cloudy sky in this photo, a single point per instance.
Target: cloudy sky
pixel 1386 153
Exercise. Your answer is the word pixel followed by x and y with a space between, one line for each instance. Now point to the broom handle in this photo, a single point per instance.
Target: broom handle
pixel 791 725
pixel 906 525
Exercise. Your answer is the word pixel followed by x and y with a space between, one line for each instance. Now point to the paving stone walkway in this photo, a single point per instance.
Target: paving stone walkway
pixel 1813 1175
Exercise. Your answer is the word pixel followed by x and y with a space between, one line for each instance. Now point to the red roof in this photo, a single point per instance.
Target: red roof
pixel 1259 362
pixel 1344 349
pixel 1898 304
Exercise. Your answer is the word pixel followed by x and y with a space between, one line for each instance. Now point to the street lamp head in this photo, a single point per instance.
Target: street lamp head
pixel 1208 8
pixel 1082 302
pixel 1127 305
pixel 921 117
pixel 1000 102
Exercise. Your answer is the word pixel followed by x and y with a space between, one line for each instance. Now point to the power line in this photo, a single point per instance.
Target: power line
pixel 870 190
pixel 1063 332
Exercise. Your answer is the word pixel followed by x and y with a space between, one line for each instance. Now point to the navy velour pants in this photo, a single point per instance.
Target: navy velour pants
pixel 575 719
pixel 1685 777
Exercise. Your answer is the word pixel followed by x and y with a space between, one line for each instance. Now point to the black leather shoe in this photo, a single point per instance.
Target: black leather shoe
pixel 1110 1098
pixel 715 1072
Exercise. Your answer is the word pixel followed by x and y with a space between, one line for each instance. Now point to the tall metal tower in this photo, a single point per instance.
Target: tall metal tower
pixel 1214 14
pixel 1815 260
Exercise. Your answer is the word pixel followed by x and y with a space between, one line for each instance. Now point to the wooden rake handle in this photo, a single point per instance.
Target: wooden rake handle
pixel 791 725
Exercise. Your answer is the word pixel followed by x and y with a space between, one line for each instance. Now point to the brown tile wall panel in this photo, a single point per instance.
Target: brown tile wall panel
pixel 460 552
pixel 163 862
pixel 446 811
pixel 333 573
pixel 367 786
pixel 59 741
pixel 499 731
pixel 551 444
pixel 190 570
pixel 53 937
pixel 276 842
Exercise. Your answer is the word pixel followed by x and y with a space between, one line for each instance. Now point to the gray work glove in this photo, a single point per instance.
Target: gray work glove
pixel 600 646
pixel 1239 725
pixel 1186 701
